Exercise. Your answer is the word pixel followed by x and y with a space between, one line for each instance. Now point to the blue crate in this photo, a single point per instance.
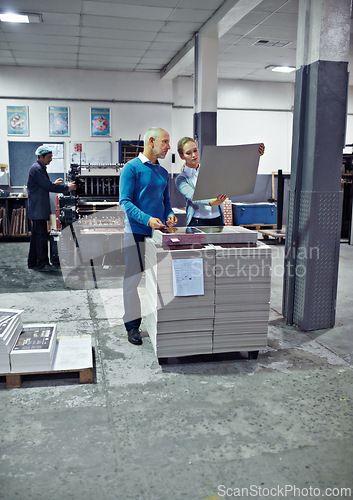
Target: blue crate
pixel 254 213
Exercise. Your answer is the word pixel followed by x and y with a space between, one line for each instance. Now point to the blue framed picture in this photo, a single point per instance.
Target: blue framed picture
pixel 17 120
pixel 59 124
pixel 100 122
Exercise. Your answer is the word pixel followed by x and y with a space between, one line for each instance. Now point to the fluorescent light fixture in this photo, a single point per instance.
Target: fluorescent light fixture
pixel 11 17
pixel 34 18
pixel 281 69
pixel 28 17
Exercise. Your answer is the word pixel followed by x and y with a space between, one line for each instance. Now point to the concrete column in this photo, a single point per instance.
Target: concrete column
pixel 205 89
pixel 315 200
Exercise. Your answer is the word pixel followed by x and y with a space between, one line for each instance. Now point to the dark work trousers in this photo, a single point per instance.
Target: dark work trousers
pixel 217 221
pixel 38 246
pixel 134 253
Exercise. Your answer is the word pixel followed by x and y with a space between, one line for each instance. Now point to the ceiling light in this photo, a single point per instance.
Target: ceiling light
pixel 10 17
pixel 272 43
pixel 34 18
pixel 28 17
pixel 281 69
pixel 284 69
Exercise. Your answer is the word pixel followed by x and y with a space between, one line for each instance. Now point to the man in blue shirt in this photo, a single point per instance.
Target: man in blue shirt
pixel 38 187
pixel 144 197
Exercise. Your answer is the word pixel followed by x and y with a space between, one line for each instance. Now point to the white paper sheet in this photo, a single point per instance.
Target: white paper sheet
pixel 188 277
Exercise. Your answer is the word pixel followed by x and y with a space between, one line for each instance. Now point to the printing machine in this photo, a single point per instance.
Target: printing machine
pixel 97 189
pixel 91 222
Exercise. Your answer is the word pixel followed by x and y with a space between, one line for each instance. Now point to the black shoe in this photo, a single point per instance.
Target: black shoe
pixel 134 336
pixel 46 269
pixel 32 267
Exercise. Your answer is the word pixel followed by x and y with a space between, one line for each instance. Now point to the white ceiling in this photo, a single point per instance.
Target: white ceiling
pixel 145 35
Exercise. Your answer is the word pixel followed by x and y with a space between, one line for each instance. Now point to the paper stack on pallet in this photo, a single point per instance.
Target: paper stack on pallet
pixel 10 328
pixel 179 325
pixel 35 348
pixel 242 298
pixel 208 298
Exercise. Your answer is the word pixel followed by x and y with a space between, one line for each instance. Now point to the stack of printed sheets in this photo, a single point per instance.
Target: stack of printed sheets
pixel 203 299
pixel 179 299
pixel 35 348
pixel 10 328
pixel 242 298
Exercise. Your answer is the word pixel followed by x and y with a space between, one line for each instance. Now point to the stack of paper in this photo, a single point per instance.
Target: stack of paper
pixel 209 299
pixel 35 348
pixel 178 236
pixel 242 296
pixel 10 328
pixel 204 234
pixel 234 235
pixel 179 299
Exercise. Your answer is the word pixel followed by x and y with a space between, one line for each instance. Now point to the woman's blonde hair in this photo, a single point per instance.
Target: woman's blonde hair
pixel 181 144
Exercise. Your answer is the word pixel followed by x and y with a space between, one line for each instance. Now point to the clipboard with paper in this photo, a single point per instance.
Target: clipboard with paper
pixel 231 170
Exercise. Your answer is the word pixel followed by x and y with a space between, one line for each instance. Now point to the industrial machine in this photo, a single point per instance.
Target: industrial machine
pixel 97 186
pixel 92 224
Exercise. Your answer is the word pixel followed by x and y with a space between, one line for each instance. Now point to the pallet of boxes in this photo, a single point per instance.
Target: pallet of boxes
pixel 32 349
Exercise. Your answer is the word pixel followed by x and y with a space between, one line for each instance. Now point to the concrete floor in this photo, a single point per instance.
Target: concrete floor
pixel 190 429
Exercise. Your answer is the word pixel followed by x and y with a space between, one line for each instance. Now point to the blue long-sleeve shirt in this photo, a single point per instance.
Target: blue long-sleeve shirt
pixel 143 193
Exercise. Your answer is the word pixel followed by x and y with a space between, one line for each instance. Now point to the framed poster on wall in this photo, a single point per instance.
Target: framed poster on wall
pixel 59 121
pixel 100 122
pixel 17 120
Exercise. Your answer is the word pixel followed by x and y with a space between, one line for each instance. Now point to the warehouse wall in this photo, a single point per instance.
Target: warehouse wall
pixel 248 111
pixel 85 89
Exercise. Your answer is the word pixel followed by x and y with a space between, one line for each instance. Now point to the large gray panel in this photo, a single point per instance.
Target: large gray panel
pixel 317 260
pixel 325 126
pixel 314 219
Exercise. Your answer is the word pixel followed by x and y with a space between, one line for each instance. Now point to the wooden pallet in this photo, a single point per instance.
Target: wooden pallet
pixel 14 380
pixel 73 355
pixel 257 227
pixel 217 356
pixel 275 233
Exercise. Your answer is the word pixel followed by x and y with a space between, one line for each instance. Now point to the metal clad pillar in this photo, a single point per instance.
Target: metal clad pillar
pixel 206 88
pixel 315 200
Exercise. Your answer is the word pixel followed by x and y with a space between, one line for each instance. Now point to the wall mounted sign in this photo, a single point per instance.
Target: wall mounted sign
pixel 17 120
pixel 59 121
pixel 100 122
